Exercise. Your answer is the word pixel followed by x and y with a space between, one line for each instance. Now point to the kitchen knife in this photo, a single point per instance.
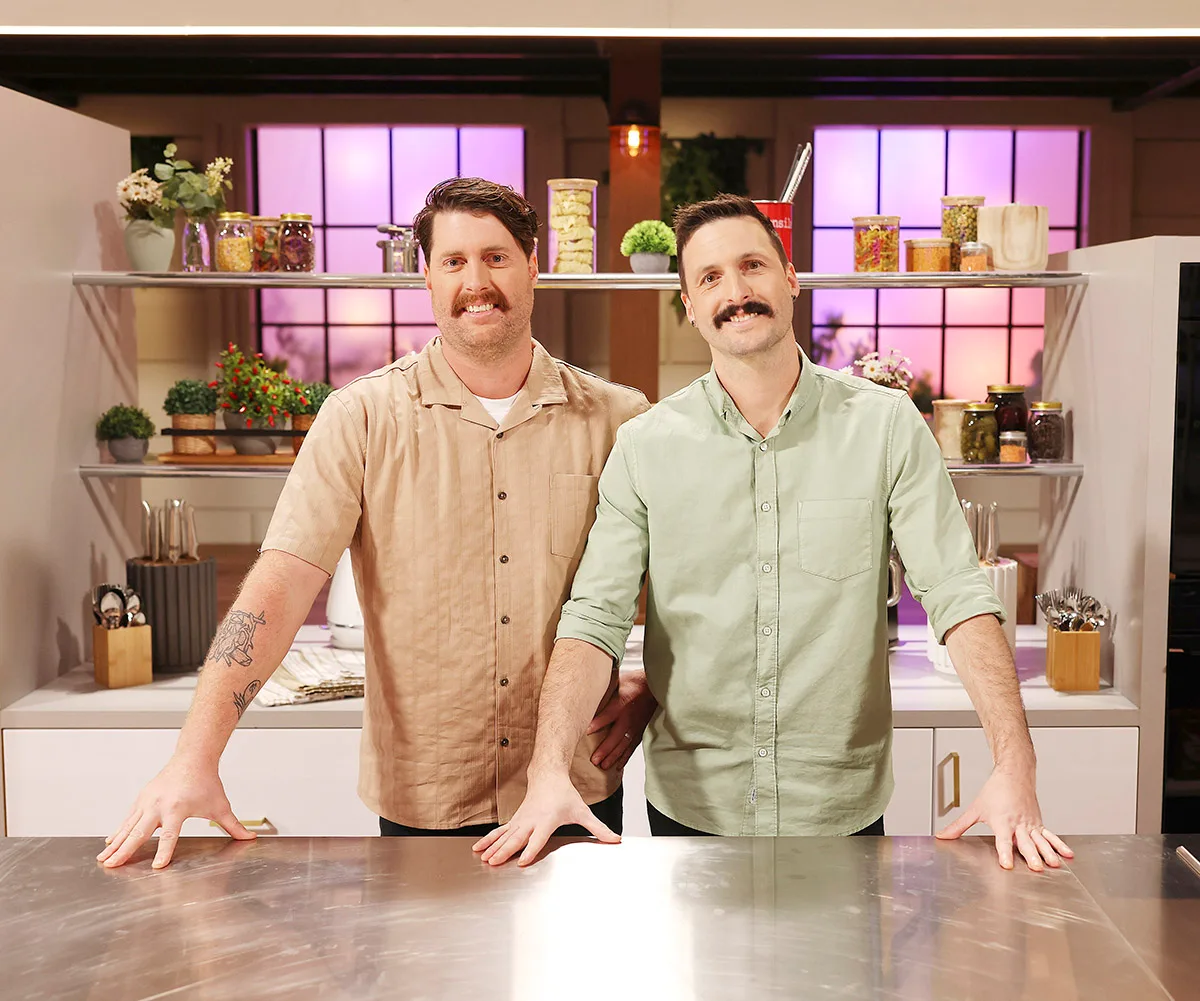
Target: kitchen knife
pixel 192 546
pixel 147 526
pixel 174 531
pixel 992 544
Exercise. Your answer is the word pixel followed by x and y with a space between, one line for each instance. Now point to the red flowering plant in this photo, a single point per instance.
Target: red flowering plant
pixel 247 386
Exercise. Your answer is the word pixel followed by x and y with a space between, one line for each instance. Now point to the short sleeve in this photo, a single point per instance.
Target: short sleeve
pixel 319 509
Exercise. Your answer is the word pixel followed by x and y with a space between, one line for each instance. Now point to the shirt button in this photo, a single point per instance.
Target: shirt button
pixel 766 630
pixel 766 568
pixel 502 495
pixel 762 447
pixel 766 506
pixel 762 752
pixel 504 743
pixel 503 682
pixel 765 693
pixel 499 435
pixel 503 559
pixel 504 620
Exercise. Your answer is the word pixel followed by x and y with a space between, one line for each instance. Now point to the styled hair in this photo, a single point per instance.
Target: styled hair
pixel 479 197
pixel 689 218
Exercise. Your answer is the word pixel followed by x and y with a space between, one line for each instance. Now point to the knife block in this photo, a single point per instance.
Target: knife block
pixel 122 656
pixel 180 602
pixel 1072 660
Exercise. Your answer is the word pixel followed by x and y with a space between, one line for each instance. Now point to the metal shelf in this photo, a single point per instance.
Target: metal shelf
pixel 1006 470
pixel 597 282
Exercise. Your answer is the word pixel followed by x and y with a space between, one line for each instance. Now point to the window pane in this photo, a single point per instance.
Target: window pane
pixel 910 305
pixel 923 346
pixel 912 175
pixel 1048 171
pixel 977 305
pixel 1062 239
pixel 412 306
pixel 833 253
pixel 1029 306
pixel 836 348
pixel 289 171
pixel 496 153
pixel 980 163
pixel 975 359
pixel 355 351
pixel 293 305
pixel 845 171
pixel 413 338
pixel 1027 361
pixel 304 348
pixel 421 157
pixel 356 176
pixel 353 251
pixel 359 305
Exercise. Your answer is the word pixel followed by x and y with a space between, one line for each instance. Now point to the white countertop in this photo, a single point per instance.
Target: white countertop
pixel 921 697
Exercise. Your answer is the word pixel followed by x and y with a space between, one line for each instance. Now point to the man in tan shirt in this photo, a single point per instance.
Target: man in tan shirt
pixel 464 482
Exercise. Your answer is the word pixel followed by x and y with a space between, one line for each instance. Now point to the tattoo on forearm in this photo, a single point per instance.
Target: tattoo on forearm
pixel 235 638
pixel 243 699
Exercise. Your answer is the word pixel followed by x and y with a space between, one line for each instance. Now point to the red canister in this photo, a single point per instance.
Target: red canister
pixel 780 214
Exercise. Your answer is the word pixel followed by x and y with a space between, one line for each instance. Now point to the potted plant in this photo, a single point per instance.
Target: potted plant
pixel 250 395
pixel 200 195
pixel 304 400
pixel 192 406
pixel 150 229
pixel 127 430
pixel 649 245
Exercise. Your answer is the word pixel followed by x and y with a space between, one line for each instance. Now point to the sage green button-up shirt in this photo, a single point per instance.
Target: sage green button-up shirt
pixel 766 624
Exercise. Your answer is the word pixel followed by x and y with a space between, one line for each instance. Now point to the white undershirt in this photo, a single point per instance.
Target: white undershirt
pixel 498 409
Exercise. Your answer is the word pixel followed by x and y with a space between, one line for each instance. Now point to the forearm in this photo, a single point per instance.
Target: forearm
pixel 984 662
pixel 251 641
pixel 577 679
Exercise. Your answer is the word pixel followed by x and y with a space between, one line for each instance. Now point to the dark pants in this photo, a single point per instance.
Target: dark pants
pixel 662 826
pixel 607 811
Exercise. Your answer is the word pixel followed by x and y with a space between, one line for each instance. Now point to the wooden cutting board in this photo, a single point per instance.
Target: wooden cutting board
pixel 228 457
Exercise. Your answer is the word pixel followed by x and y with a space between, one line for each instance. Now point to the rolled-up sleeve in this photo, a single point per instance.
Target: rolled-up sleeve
pixel 605 591
pixel 927 524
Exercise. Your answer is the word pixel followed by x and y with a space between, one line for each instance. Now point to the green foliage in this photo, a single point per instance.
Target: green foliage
pixel 124 422
pixel 650 236
pixel 305 398
pixel 921 392
pixel 199 194
pixel 190 396
pixel 703 167
pixel 248 387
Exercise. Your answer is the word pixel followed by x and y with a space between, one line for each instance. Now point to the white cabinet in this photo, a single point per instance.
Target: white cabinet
pixel 911 808
pixel 1086 777
pixel 83 782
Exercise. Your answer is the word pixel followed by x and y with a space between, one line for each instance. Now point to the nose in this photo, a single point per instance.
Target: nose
pixel 475 276
pixel 738 290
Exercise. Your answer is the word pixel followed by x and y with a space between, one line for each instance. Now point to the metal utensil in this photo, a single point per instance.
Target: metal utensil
pixel 796 174
pixel 174 518
pixel 191 543
pixel 992 535
pixel 147 525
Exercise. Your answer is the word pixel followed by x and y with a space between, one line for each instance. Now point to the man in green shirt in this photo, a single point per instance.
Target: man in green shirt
pixel 763 500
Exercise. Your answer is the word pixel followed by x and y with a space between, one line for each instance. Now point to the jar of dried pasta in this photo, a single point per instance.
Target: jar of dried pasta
pixel 933 254
pixel 876 243
pixel 572 225
pixel 233 251
pixel 960 222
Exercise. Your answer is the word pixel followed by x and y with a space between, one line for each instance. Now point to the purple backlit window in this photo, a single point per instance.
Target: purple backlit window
pixel 351 178
pixel 960 339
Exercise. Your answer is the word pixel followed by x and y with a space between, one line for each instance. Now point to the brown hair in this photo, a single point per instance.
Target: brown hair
pixel 689 218
pixel 479 197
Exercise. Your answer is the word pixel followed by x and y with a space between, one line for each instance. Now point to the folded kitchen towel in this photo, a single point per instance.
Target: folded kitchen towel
pixel 315 674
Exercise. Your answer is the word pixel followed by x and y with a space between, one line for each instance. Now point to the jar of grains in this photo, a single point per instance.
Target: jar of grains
pixel 876 243
pixel 975 257
pixel 960 222
pixel 1047 432
pixel 266 243
pixel 980 438
pixel 928 255
pixel 233 242
pixel 1012 446
pixel 297 249
pixel 1012 412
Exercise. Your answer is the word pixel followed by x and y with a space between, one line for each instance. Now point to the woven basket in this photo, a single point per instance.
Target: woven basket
pixel 193 444
pixel 301 422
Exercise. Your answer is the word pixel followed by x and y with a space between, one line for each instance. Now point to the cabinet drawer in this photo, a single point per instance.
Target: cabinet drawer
pixel 83 782
pixel 911 809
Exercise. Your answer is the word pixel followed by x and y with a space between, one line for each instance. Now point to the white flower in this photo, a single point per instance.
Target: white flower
pixel 871 368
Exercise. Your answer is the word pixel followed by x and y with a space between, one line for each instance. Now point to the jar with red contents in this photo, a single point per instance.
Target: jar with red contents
pixel 1012 412
pixel 297 248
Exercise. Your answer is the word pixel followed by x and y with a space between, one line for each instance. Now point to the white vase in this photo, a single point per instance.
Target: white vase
pixel 148 246
pixel 650 264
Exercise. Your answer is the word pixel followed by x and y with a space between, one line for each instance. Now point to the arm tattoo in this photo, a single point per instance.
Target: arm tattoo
pixel 241 700
pixel 235 638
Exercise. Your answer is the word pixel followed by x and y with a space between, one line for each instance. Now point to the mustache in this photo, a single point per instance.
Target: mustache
pixel 492 297
pixel 752 306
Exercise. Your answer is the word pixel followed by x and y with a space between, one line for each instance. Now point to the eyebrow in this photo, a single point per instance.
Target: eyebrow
pixel 497 249
pixel 745 257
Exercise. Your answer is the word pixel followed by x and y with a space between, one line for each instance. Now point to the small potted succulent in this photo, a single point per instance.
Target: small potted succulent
pixel 127 430
pixel 192 406
pixel 251 395
pixel 304 399
pixel 649 245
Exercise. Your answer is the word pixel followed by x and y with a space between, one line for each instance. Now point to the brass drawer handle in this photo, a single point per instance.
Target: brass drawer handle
pixel 260 826
pixel 955 803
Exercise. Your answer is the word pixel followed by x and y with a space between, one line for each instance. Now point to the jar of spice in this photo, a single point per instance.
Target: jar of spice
pixel 980 437
pixel 975 257
pixel 266 243
pixel 876 243
pixel 1047 432
pixel 233 242
pixel 928 255
pixel 1012 412
pixel 1012 446
pixel 297 249
pixel 960 222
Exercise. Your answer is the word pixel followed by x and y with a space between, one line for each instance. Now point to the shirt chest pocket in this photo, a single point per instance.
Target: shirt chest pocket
pixel 836 538
pixel 573 498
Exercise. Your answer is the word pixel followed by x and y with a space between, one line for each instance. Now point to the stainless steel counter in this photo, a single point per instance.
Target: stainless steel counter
pixel 660 920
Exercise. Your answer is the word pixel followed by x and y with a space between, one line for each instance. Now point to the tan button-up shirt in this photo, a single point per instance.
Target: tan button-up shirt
pixel 464 538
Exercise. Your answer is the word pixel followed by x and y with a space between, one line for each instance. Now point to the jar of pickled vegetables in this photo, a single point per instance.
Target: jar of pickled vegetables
pixel 877 243
pixel 975 257
pixel 928 255
pixel 960 222
pixel 266 243
pixel 980 436
pixel 1012 412
pixel 1047 432
pixel 233 242
pixel 297 249
pixel 572 225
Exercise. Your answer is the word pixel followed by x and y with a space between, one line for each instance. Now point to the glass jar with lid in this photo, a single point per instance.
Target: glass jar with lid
pixel 960 222
pixel 297 248
pixel 980 436
pixel 876 243
pixel 928 255
pixel 234 231
pixel 1013 447
pixel 1047 432
pixel 975 257
pixel 1012 412
pixel 266 243
pixel 572 225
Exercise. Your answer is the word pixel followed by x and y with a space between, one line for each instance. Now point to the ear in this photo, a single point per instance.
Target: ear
pixel 428 285
pixel 793 281
pixel 687 306
pixel 533 264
